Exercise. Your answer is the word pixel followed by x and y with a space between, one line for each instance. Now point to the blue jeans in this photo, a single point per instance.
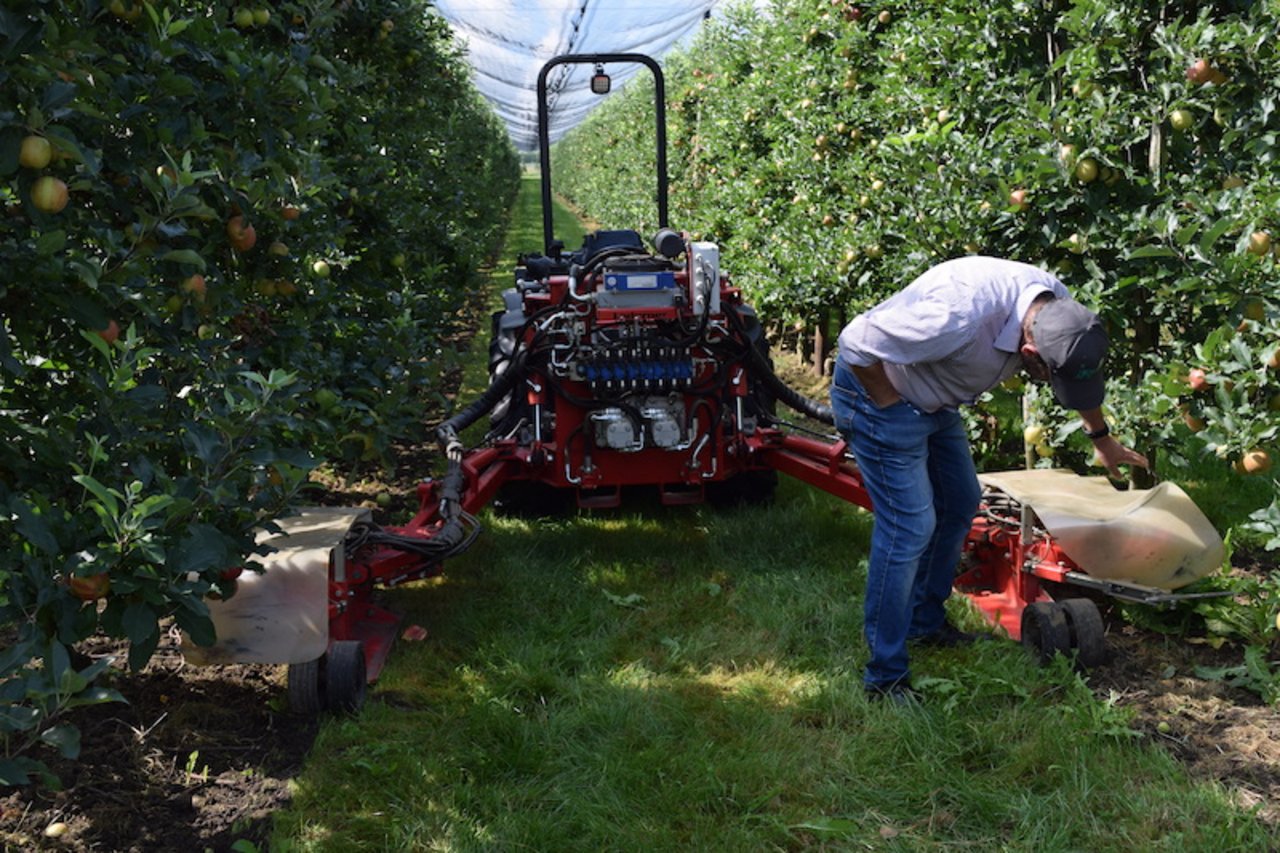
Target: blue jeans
pixel 924 490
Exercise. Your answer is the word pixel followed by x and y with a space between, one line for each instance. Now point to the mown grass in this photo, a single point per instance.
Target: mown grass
pixel 684 679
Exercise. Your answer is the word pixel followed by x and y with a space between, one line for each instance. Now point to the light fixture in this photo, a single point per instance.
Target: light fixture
pixel 600 82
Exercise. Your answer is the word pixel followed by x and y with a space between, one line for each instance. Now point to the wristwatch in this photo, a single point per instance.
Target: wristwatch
pixel 1098 433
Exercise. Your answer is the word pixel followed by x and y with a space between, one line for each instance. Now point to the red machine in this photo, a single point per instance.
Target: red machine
pixel 616 366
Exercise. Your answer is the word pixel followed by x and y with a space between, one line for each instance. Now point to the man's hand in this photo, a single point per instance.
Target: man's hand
pixel 877 385
pixel 1114 454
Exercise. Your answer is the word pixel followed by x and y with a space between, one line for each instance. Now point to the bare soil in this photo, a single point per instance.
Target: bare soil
pixel 200 758
pixel 1217 731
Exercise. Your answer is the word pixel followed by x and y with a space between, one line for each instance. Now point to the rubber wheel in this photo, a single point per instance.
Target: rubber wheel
pixel 346 678
pixel 1045 632
pixel 306 687
pixel 748 488
pixel 532 499
pixel 1088 637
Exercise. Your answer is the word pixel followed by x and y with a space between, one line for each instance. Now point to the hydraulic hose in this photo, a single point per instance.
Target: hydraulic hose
pixel 763 371
pixel 504 384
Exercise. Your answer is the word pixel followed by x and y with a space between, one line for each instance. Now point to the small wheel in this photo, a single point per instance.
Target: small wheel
pixel 1045 632
pixel 345 675
pixel 1088 637
pixel 306 687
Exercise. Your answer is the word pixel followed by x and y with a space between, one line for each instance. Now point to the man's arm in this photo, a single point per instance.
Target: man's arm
pixel 877 384
pixel 1113 453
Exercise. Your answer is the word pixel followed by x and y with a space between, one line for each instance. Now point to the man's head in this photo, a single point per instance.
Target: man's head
pixel 1070 340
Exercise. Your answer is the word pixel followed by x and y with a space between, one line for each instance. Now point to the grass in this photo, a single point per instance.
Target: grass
pixel 684 679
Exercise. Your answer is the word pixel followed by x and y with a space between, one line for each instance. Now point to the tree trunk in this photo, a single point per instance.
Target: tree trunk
pixel 820 344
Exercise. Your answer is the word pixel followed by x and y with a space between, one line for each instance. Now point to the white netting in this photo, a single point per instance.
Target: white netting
pixel 508 43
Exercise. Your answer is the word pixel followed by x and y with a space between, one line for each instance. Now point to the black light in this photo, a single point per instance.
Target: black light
pixel 600 82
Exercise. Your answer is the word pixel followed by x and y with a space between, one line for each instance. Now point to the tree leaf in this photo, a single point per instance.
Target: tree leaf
pixel 1152 252
pixel 185 256
pixel 51 242
pixel 65 737
pixel 32 526
pixel 101 492
pixel 139 623
pixel 204 547
pixel 199 628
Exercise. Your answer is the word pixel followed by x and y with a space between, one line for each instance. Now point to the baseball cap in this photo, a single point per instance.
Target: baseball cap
pixel 1071 340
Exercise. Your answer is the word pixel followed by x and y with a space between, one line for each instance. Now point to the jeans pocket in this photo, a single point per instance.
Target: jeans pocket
pixel 843 403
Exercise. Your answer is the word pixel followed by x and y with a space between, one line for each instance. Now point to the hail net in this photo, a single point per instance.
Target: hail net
pixel 508 42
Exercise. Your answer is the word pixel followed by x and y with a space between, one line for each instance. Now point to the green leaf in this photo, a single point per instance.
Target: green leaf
pixel 1222 226
pixel 204 547
pixel 140 653
pixel 18 718
pixel 152 505
pixel 178 26
pixel 17 771
pixel 58 95
pixel 185 256
pixel 203 442
pixel 10 146
pixel 1152 252
pixel 107 497
pixel 51 243
pixel 139 623
pixel 96 696
pixel 65 738
pixel 31 525
pixel 200 628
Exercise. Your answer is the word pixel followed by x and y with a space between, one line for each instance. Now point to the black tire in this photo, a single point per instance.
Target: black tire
pixel 1088 636
pixel 748 488
pixel 306 687
pixel 532 499
pixel 1045 632
pixel 346 679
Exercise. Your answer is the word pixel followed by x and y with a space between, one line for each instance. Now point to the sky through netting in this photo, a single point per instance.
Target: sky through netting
pixel 508 42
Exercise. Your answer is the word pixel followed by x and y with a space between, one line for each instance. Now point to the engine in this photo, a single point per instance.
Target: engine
pixel 631 365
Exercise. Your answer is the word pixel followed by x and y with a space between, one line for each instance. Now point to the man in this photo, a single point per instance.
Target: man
pixel 904 367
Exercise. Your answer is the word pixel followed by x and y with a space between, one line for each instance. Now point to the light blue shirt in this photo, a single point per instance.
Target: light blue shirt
pixel 951 334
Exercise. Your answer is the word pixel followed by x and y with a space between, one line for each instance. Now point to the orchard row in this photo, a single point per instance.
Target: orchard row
pixel 234 237
pixel 837 149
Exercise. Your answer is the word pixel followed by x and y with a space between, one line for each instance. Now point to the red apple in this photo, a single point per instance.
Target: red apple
pixel 1256 461
pixel 111 333
pixel 1199 71
pixel 194 287
pixel 89 587
pixel 243 236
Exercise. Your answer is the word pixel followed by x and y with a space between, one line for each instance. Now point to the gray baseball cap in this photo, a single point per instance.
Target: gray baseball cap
pixel 1071 340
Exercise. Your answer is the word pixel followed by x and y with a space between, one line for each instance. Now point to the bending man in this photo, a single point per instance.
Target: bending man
pixel 904 368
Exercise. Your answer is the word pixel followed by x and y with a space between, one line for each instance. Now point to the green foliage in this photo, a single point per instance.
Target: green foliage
pixel 268 230
pixel 32 697
pixel 1255 674
pixel 836 153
